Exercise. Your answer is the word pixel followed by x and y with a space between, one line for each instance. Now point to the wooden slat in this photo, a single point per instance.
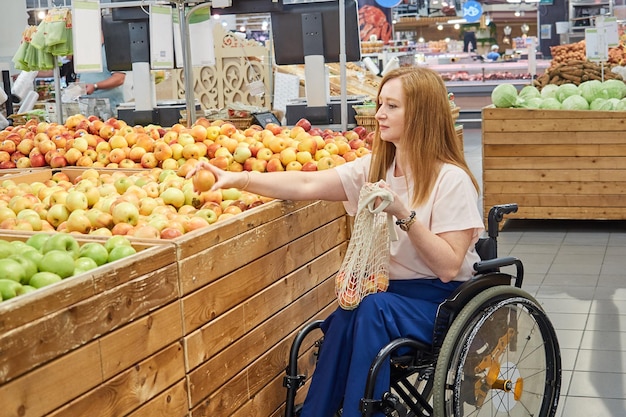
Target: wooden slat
pixel 554 162
pixel 216 261
pixel 122 348
pixel 53 384
pixel 568 213
pixel 132 388
pixel 582 189
pixel 550 175
pixel 263 395
pixel 213 299
pixel 558 150
pixel 170 403
pixel 49 337
pixel 215 372
pixel 554 137
pixel 192 243
pixel 221 332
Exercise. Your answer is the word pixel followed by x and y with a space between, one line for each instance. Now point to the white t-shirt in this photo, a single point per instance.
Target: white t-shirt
pixel 453 205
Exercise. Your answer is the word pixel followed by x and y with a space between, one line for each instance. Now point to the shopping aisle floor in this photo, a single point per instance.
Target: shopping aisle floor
pixel 577 271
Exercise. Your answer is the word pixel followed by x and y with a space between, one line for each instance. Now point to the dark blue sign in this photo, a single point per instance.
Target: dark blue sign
pixel 472 10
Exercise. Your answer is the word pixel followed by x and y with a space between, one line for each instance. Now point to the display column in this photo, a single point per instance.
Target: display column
pixel 549 14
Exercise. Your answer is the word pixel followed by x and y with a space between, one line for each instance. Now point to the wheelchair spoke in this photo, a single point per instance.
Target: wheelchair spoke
pixel 501 360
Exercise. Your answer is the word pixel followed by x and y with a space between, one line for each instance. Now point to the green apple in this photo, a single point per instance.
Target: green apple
pixel 11 269
pixel 120 252
pixel 34 255
pixel 25 289
pixel 29 266
pixel 37 240
pixel 84 264
pixel 6 249
pixel 95 251
pixel 8 288
pixel 41 279
pixel 63 242
pixel 166 173
pixel 207 214
pixel 57 261
pixel 115 241
pixel 231 194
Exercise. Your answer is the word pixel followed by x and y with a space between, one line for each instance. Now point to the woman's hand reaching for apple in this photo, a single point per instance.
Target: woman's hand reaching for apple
pixel 218 179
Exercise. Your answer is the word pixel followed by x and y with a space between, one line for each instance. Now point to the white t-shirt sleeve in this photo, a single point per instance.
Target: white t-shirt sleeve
pixel 353 175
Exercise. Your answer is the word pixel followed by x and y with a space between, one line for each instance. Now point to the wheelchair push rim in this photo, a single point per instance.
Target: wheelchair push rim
pixel 499 358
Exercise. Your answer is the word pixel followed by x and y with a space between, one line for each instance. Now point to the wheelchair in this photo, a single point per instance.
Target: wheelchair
pixel 494 351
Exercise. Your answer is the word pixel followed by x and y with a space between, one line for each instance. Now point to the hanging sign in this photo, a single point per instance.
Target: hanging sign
pixel 472 10
pixel 87 35
pixel 161 37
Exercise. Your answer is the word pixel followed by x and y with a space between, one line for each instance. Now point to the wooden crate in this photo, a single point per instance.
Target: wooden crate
pixel 200 325
pixel 555 164
pixel 247 287
pixel 100 343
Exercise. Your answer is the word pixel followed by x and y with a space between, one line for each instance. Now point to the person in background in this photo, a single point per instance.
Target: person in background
pixel 105 84
pixel 416 152
pixel 494 55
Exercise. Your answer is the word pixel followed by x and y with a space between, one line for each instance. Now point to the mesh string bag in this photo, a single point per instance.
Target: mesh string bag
pixel 365 268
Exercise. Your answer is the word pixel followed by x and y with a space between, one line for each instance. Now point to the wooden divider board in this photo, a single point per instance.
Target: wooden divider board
pixel 555 164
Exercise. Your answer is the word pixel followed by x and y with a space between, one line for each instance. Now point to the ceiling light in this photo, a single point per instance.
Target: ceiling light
pixel 457 26
pixel 440 27
pixel 456 21
pixel 517 13
pixel 41 14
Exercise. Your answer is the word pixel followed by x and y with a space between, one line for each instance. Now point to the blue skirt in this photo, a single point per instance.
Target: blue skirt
pixel 353 338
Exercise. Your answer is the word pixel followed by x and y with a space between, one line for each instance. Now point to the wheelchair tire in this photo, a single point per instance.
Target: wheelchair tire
pixel 499 357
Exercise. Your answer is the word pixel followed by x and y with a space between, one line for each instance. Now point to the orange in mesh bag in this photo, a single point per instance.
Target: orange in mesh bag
pixel 365 268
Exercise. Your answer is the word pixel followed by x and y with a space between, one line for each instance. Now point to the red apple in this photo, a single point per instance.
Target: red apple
pixel 304 123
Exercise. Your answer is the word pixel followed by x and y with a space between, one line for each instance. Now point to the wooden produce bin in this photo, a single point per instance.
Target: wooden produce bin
pixel 247 287
pixel 196 326
pixel 106 342
pixel 556 164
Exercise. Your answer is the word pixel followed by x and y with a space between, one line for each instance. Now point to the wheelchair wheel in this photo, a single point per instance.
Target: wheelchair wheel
pixel 500 357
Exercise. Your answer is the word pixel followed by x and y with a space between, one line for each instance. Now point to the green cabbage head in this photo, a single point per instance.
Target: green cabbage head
pixel 575 102
pixel 504 96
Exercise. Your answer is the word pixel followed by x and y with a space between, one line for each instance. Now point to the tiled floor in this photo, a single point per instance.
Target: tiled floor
pixel 577 271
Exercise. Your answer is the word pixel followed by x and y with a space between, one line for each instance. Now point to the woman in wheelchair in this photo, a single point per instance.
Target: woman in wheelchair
pixel 415 150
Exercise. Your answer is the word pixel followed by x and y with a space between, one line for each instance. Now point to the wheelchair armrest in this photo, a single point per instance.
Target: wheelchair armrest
pixel 491 265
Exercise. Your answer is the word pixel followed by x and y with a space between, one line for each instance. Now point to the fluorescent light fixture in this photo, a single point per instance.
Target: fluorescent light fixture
pixel 456 21
pixel 513 1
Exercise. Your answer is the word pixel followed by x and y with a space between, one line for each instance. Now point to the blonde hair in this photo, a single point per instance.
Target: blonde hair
pixel 430 137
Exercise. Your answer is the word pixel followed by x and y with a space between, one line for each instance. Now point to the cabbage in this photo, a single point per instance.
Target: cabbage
pixel 591 90
pixel 614 88
pixel 549 90
pixel 620 106
pixel 566 90
pixel 504 95
pixel 531 103
pixel 575 102
pixel 529 91
pixel 615 102
pixel 550 103
pixel 601 104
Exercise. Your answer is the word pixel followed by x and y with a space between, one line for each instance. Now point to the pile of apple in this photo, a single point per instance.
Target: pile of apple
pixel 155 203
pixel 91 142
pixel 45 259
